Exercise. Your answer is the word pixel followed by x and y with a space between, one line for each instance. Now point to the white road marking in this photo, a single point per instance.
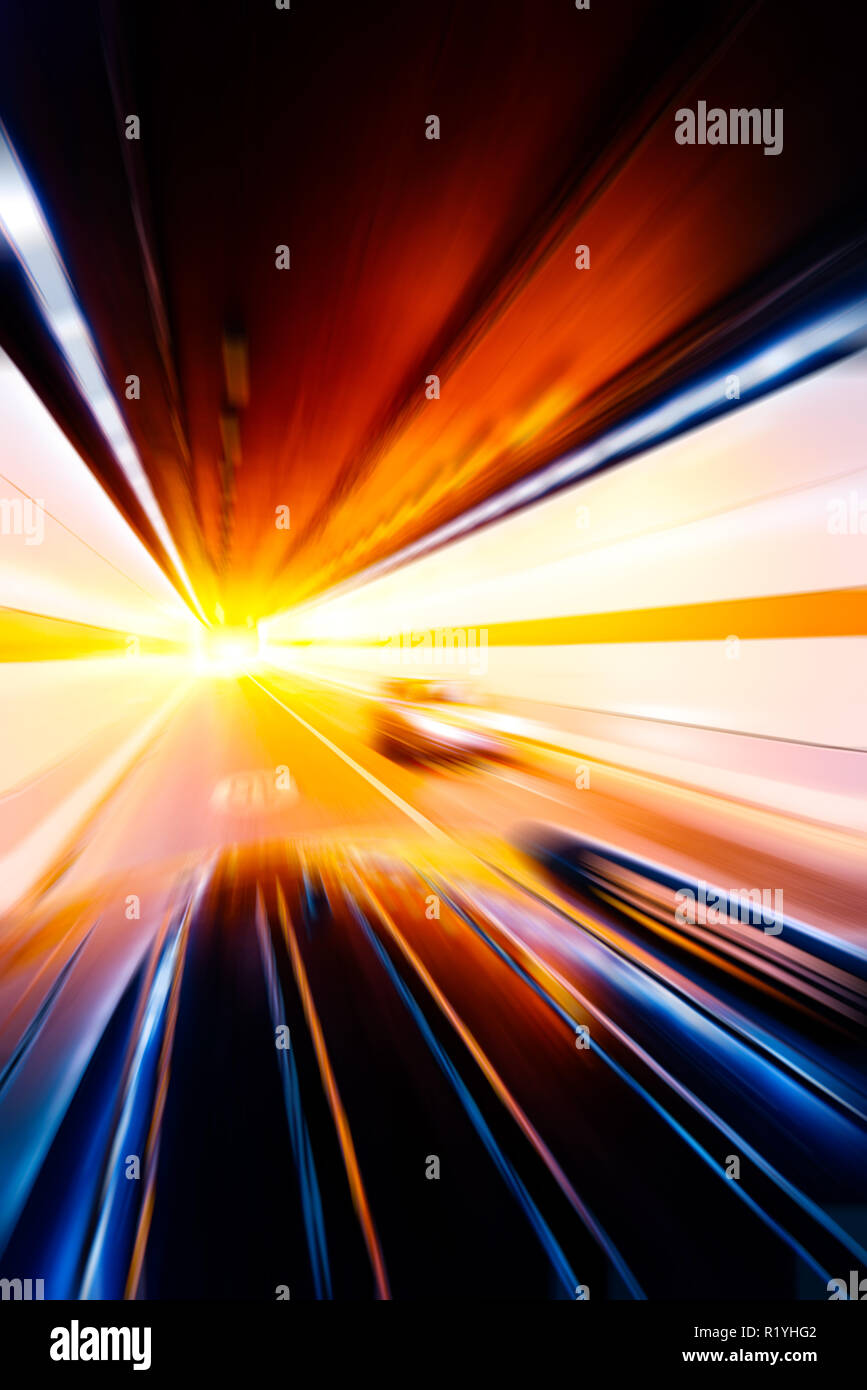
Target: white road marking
pixel 533 791
pixel 385 791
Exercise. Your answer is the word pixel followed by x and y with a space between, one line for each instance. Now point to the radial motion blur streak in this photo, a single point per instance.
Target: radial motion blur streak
pixel 434 642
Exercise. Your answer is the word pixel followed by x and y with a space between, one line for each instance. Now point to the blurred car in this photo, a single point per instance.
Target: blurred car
pixel 410 688
pixel 412 723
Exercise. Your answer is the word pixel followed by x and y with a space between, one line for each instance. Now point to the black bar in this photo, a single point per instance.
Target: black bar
pixel 222 1338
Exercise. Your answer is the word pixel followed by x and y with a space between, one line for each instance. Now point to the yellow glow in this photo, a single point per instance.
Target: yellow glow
pixel 227 653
